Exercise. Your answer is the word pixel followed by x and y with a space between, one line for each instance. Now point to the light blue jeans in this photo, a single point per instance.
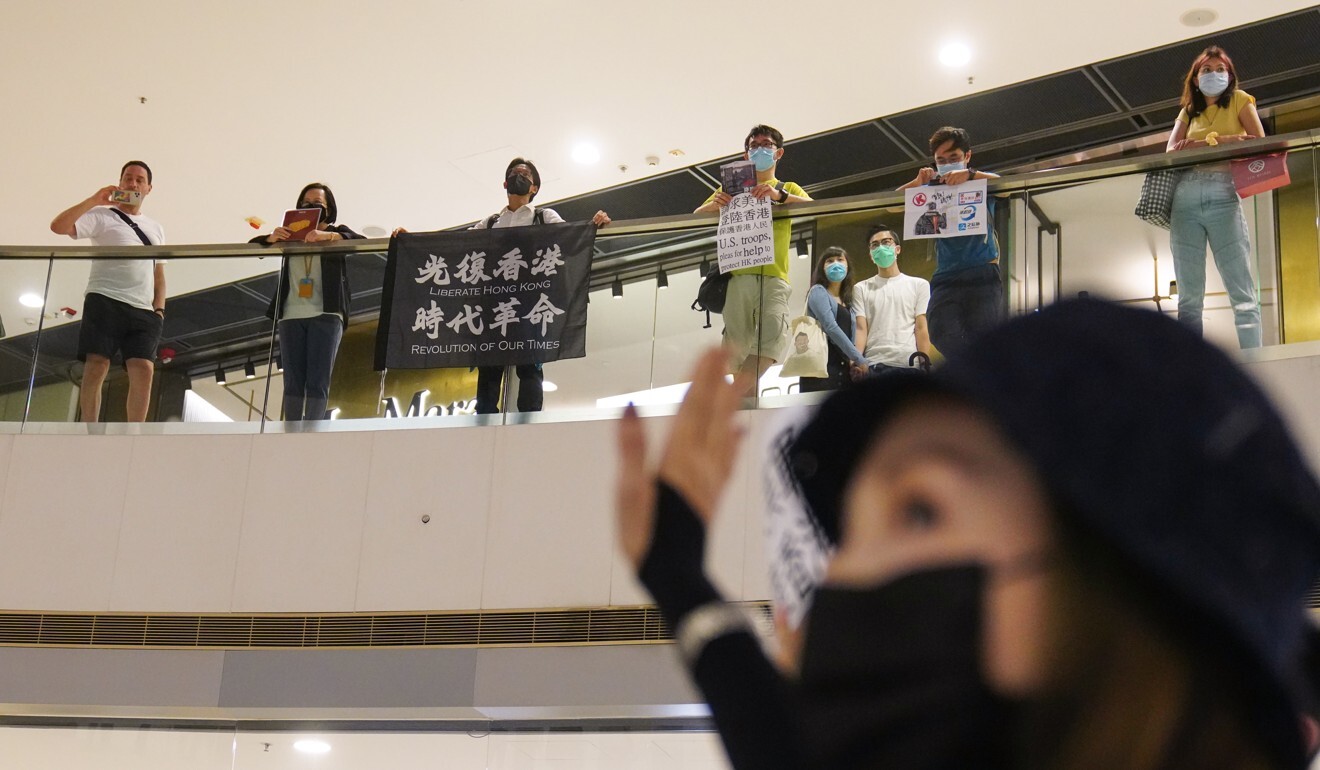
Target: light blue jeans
pixel 1206 210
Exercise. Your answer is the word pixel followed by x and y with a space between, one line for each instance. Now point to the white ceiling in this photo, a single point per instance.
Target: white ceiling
pixel 410 109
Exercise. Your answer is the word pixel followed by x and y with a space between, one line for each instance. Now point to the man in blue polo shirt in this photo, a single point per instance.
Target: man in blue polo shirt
pixel 967 290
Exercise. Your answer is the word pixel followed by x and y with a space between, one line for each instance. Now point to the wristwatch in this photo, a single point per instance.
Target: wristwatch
pixel 160 311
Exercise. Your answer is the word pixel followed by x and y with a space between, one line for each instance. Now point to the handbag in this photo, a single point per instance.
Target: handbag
pixel 1253 176
pixel 711 293
pixel 808 352
pixel 714 288
pixel 1156 202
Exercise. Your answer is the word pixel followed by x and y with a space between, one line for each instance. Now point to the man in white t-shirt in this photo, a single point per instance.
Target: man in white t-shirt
pixel 890 308
pixel 124 306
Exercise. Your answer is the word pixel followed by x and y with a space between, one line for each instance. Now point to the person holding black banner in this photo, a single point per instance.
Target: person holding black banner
pixel 522 181
pixel 756 303
pixel 312 307
pixel 124 306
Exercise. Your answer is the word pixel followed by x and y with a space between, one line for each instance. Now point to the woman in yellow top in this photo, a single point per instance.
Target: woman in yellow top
pixel 1205 203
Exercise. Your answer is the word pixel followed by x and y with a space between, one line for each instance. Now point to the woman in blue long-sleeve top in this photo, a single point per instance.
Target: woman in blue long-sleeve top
pixel 829 302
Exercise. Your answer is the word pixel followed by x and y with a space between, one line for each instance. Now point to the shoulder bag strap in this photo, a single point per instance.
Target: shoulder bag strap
pixel 145 240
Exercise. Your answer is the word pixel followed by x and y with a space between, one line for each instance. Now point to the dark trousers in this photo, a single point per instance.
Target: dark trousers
pixel 490 379
pixel 307 350
pixel 964 304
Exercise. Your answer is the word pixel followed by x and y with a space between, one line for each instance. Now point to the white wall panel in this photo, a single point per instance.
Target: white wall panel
pixel 625 589
pixel 726 538
pixel 179 542
pixel 302 523
pixel 551 538
pixel 411 565
pixel 60 523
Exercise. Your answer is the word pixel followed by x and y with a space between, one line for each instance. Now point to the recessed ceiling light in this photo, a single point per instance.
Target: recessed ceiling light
pixel 1199 17
pixel 586 153
pixel 549 387
pixel 374 231
pixel 31 300
pixel 955 54
pixel 309 746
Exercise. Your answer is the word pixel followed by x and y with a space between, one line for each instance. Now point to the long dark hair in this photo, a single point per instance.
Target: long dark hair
pixel 846 285
pixel 331 210
pixel 1192 99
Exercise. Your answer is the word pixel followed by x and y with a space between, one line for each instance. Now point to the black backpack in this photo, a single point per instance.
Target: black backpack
pixel 710 295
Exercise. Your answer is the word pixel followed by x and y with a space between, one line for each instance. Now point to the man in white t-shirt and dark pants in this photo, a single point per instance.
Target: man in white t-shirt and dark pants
pixel 890 308
pixel 124 306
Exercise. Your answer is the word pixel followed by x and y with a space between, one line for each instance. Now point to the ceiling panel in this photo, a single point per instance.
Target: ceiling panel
pixel 1038 105
pixel 1260 50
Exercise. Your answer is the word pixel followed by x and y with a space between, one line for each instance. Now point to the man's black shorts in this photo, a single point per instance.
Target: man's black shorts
pixel 109 325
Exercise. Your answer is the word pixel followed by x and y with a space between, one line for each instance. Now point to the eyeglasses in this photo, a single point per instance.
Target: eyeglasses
pixel 885 242
pixel 762 146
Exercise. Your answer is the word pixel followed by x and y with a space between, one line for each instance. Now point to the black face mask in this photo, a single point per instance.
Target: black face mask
pixel 324 212
pixel 891 677
pixel 518 184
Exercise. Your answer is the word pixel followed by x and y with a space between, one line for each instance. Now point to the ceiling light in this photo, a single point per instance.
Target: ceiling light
pixel 549 387
pixel 955 54
pixel 279 364
pixel 617 288
pixel 31 300
pixel 1173 290
pixel 662 279
pixel 375 231
pixel 309 746
pixel 586 153
pixel 677 153
pixel 1199 17
pixel 249 371
pixel 220 374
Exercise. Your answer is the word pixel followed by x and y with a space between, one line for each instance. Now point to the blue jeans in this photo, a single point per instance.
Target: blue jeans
pixel 1206 210
pixel 307 350
pixel 962 305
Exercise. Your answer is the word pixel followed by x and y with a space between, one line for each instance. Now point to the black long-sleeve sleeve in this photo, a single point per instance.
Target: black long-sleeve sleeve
pixel 748 699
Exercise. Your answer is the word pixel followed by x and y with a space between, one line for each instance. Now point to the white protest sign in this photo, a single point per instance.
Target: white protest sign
pixel 796 548
pixel 943 211
pixel 746 236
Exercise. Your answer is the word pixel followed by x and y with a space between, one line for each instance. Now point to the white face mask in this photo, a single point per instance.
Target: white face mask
pixel 1212 84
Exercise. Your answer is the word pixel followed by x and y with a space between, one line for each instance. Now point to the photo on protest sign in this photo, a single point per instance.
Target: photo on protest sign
pixel 746 236
pixel 490 297
pixel 943 211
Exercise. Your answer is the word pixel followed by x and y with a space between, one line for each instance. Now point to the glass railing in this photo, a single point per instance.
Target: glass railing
pixel 1060 232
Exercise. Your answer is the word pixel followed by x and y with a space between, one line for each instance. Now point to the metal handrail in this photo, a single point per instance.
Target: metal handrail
pixel 1070 175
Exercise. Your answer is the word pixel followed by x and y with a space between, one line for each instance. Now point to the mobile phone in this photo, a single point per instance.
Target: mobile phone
pixel 130 197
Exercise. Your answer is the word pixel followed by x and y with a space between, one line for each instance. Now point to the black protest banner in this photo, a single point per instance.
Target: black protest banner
pixel 512 295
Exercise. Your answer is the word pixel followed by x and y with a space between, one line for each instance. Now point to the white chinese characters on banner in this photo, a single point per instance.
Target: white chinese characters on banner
pixel 943 211
pixel 746 235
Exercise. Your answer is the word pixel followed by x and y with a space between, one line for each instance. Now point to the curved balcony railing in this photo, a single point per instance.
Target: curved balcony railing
pixel 639 345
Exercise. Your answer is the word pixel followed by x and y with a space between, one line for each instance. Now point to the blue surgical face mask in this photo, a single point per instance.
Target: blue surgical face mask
pixel 835 271
pixel 763 157
pixel 1212 84
pixel 883 256
pixel 947 168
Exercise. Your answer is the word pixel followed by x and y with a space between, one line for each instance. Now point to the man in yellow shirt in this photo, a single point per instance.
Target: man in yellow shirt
pixel 756 304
